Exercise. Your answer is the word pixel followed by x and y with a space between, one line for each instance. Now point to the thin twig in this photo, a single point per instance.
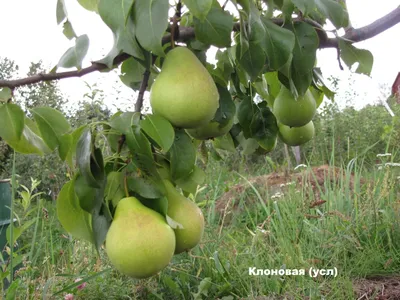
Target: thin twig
pixel 187 33
pixel 175 26
pixel 338 58
pixel 224 5
pixel 143 87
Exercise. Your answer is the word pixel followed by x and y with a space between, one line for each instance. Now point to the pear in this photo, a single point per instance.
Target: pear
pixel 184 92
pixel 294 112
pixel 186 213
pixel 296 136
pixel 210 130
pixel 139 242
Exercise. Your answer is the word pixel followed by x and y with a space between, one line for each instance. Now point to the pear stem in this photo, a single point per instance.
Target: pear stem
pixel 126 186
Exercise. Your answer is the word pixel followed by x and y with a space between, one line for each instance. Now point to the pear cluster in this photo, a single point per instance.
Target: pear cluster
pixel 140 243
pixel 186 95
pixel 294 117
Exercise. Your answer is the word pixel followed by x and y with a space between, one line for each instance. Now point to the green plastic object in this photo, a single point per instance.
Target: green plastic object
pixel 5 204
pixel 5 201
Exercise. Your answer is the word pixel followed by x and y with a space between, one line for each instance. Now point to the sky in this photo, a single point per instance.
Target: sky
pixel 30 33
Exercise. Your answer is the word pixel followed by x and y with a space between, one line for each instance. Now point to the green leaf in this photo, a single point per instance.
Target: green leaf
pixel 75 135
pixel 5 94
pixel 132 74
pixel 227 109
pixel 245 114
pixel 318 95
pixel 287 8
pixel 101 222
pixel 74 56
pixel 85 193
pixel 89 160
pixel 304 55
pixel 274 86
pixel 215 154
pixel 249 145
pixel 160 205
pixel 18 231
pixel 183 155
pixel 73 219
pixel 11 122
pixel 90 5
pixel 68 30
pixel 224 142
pixel 123 122
pixel 215 29
pixel 199 9
pixel 192 181
pixel 334 11
pixel 160 130
pixel 258 123
pixel 262 89
pixel 264 127
pixel 222 73
pixel 351 55
pixel 13 288
pixel 114 190
pixel 30 142
pixel 65 143
pixel 151 22
pixel 145 187
pixel 279 44
pixel 52 125
pixel 138 144
pixel 140 149
pixel 114 13
pixel 12 119
pixel 320 84
pixel 252 60
pixel 206 284
pixel 61 11
pixel 305 6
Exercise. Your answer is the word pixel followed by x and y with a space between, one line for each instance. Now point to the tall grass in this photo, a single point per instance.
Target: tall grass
pixel 356 231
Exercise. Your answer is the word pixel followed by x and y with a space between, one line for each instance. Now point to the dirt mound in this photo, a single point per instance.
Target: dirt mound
pixel 378 288
pixel 277 183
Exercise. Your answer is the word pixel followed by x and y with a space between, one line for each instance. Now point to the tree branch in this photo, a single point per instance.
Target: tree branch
pixel 187 33
pixel 368 31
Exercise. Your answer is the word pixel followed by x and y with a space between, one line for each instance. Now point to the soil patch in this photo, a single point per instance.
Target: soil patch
pixel 277 183
pixel 377 288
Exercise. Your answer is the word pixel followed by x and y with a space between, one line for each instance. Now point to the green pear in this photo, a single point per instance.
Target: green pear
pixel 292 112
pixel 184 92
pixel 139 242
pixel 211 130
pixel 296 136
pixel 186 213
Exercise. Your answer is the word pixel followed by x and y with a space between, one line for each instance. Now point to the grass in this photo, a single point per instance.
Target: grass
pixel 356 231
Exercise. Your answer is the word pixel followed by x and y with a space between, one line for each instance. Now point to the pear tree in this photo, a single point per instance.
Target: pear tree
pixel 147 162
